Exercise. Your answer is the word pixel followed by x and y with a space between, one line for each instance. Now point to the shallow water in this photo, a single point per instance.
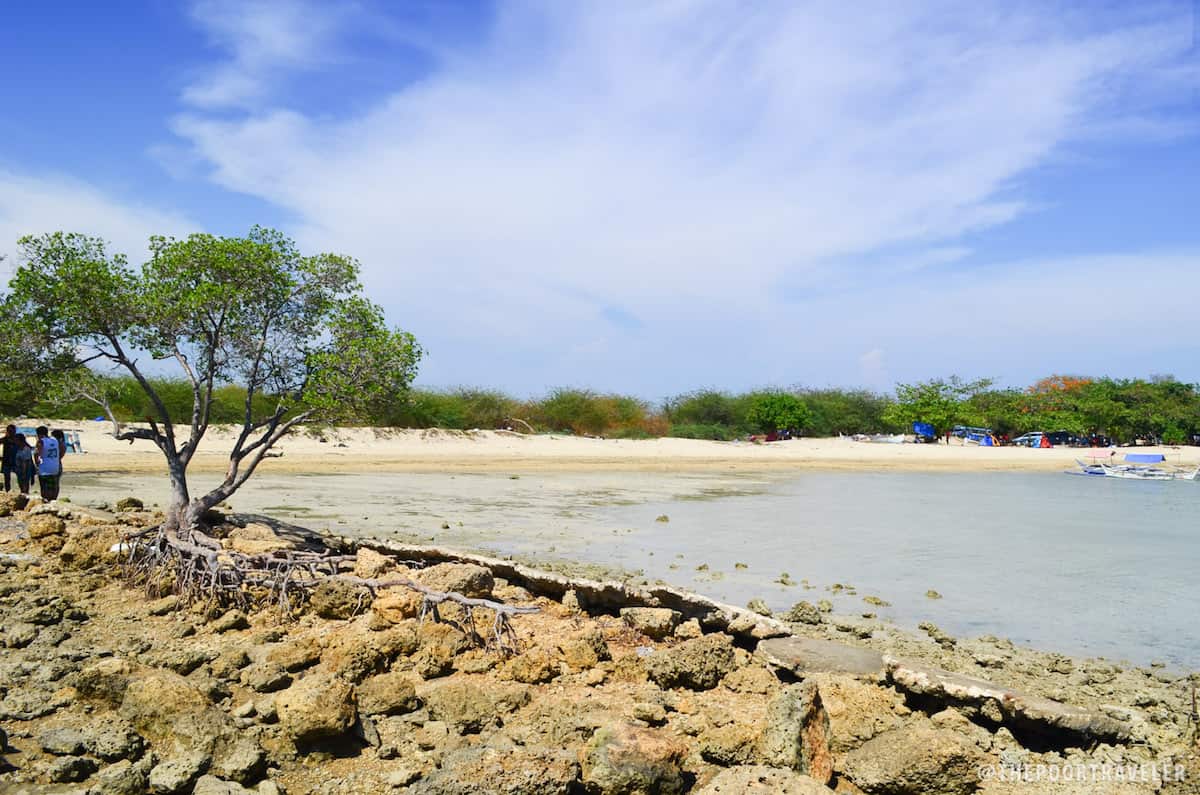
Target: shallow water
pixel 1081 565
pixel 1086 566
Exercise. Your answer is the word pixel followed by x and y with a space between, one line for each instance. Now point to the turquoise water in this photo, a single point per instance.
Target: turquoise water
pixel 1088 566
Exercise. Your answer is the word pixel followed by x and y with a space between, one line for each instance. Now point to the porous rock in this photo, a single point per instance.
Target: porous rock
pixel 463 706
pixel 796 732
pixel 339 599
pixel 697 664
pixel 316 707
pixel 387 694
pixel 762 780
pixel 467 579
pixel 653 622
pixel 914 761
pixel 624 758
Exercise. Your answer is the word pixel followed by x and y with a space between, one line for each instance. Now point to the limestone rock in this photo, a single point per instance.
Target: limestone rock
pixel 123 778
pixel 254 539
pixel 339 599
pixel 67 769
pixel 857 711
pixel 244 762
pixel 625 759
pixel 316 707
pixel 129 504
pixel 113 739
pixel 584 649
pixel 802 656
pixel 155 699
pixel 178 773
pixel 463 706
pixel 917 761
pixel 231 620
pixel 371 565
pixel 653 622
pixel 803 613
pixel 1034 714
pixel 698 664
pixel 87 546
pixel 761 780
pixel 266 677
pixel 758 606
pixel 211 785
pixel 731 744
pixel 104 680
pixel 396 605
pixel 467 579
pixel 796 732
pixel 62 741
pixel 44 525
pixel 297 655
pixel 387 694
pixel 532 667
pixel 354 656
pixel 12 501
pixel 513 771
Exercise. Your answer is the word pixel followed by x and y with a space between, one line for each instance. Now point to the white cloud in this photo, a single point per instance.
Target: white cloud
pixel 676 162
pixel 31 205
pixel 265 39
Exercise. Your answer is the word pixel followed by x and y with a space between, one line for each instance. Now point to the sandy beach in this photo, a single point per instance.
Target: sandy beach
pixel 374 450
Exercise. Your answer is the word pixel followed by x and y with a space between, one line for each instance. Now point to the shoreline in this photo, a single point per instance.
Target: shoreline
pixel 354 450
pixel 604 524
pixel 598 671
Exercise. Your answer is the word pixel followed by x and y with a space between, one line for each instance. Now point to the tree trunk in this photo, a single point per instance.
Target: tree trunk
pixel 179 496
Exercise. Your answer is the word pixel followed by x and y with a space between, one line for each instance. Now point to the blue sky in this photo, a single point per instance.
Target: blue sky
pixel 654 197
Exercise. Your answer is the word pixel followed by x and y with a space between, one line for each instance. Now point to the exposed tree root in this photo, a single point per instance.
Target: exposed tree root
pixel 198 569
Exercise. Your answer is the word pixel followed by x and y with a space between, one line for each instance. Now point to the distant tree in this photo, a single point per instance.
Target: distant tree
pixel 250 311
pixel 942 403
pixel 778 411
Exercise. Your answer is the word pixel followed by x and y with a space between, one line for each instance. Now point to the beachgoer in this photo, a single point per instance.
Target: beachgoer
pixel 24 466
pixel 47 455
pixel 61 438
pixel 8 456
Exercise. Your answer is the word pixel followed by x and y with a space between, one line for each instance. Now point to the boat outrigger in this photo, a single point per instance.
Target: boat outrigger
pixel 1137 466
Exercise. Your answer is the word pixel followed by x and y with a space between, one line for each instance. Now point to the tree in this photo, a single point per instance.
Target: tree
pixel 247 310
pixel 778 411
pixel 940 402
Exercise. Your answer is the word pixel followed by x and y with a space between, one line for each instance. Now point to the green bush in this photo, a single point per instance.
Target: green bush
pixel 711 431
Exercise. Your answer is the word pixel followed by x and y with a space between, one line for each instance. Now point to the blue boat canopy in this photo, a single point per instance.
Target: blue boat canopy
pixel 1145 458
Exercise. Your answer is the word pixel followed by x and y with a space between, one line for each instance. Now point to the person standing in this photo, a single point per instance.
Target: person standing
pixel 8 455
pixel 61 438
pixel 49 466
pixel 24 464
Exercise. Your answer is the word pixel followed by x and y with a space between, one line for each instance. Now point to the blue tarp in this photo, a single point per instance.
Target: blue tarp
pixel 1145 458
pixel 924 429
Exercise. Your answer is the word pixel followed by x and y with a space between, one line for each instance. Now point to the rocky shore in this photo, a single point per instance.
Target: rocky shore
pixel 612 690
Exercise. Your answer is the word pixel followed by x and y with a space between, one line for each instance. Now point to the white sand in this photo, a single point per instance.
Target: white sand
pixel 367 450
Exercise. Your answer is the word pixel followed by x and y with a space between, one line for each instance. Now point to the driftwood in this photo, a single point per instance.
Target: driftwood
pixel 196 567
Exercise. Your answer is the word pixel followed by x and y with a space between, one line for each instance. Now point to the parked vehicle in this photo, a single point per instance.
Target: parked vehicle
pixel 984 437
pixel 924 432
pixel 1066 439
pixel 1029 439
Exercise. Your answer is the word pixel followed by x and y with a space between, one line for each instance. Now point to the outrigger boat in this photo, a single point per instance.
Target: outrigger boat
pixel 1131 471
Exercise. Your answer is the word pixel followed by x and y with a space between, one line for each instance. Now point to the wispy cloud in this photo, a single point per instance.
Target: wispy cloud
pixel 678 160
pixel 263 40
pixel 34 204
